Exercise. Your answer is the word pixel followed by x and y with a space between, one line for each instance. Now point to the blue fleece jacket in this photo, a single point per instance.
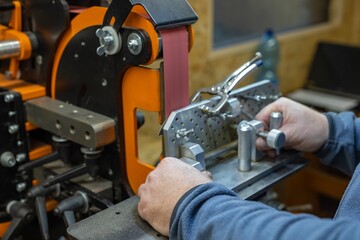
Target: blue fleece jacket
pixel 211 211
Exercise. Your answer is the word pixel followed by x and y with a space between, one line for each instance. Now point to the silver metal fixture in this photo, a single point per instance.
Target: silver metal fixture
pixel 110 41
pixel 7 159
pixel 245 135
pixel 134 43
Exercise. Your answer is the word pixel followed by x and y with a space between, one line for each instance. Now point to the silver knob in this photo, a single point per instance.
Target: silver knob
pixel 7 159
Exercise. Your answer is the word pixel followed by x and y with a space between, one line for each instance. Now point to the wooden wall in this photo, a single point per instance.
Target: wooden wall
pixel 208 67
pixel 297 48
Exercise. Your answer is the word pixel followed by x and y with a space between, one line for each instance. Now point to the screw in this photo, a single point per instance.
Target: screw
pixel 13 129
pixel 9 98
pixel 104 82
pixel 20 187
pixel 134 43
pixel 20 157
pixel 39 60
pixel 183 133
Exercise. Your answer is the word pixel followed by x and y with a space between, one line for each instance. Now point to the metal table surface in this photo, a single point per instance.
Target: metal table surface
pixel 122 221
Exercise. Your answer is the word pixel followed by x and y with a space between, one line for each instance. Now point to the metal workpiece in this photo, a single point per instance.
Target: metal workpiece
pixel 87 128
pixel 110 41
pixel 212 132
pixel 134 43
pixel 193 154
pixel 245 145
pixel 9 49
pixel 276 119
pixel 256 126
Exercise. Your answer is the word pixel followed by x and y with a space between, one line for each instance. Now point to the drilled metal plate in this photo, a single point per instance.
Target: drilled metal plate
pixel 213 132
pixel 76 124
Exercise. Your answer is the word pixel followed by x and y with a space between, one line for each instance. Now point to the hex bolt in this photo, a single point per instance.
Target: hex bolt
pixel 9 98
pixel 7 159
pixel 13 129
pixel 20 187
pixel 134 43
pixel 20 157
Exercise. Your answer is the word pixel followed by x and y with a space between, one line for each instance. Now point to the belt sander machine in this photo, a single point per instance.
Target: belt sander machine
pixel 74 76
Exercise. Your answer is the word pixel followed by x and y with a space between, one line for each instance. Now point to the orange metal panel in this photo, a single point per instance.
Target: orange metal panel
pixel 146 84
pixel 27 90
pixel 39 150
pixel 4 227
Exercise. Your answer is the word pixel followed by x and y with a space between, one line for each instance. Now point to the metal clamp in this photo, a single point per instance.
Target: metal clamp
pixel 223 88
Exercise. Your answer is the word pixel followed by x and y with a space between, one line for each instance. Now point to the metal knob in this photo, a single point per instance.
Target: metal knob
pixel 275 139
pixel 7 159
pixel 276 119
pixel 245 144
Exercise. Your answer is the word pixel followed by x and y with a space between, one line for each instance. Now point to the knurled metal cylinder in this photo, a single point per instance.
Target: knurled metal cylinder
pixel 275 139
pixel 244 147
pixel 276 119
pixel 9 48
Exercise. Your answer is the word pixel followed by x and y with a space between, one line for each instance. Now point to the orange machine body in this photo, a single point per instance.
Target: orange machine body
pixel 145 82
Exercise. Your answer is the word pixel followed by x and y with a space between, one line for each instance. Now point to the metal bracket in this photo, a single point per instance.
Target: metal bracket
pixel 76 124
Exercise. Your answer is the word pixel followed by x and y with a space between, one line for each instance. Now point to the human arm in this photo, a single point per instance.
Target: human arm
pixel 180 201
pixel 211 211
pixel 335 138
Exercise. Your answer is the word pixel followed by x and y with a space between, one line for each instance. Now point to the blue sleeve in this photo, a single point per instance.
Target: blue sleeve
pixel 342 149
pixel 211 211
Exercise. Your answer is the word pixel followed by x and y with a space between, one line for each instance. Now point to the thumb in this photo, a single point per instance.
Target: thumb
pixel 207 174
pixel 261 145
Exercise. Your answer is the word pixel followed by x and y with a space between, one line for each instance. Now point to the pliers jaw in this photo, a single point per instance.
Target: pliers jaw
pixel 223 88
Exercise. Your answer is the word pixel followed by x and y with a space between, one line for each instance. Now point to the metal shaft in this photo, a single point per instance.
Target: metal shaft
pixel 9 48
pixel 244 147
pixel 276 119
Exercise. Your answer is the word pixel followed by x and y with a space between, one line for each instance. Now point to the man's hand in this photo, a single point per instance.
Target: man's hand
pixel 305 129
pixel 163 188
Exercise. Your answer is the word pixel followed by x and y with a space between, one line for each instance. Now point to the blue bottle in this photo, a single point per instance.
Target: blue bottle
pixel 270 49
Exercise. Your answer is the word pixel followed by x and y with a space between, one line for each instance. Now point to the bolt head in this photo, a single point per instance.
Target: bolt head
pixel 9 98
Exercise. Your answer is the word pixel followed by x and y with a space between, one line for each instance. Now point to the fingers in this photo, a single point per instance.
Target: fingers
pixel 207 174
pixel 264 114
pixel 261 145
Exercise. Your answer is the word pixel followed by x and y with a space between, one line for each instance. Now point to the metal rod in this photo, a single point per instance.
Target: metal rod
pixel 245 133
pixel 9 48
